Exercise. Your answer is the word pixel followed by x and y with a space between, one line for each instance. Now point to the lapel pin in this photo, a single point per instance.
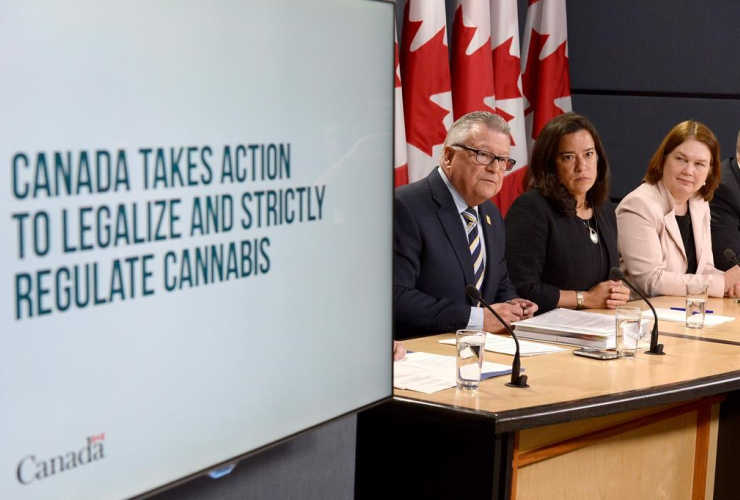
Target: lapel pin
pixel 488 220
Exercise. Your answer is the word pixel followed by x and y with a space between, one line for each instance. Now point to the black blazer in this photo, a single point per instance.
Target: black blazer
pixel 432 264
pixel 545 249
pixel 725 209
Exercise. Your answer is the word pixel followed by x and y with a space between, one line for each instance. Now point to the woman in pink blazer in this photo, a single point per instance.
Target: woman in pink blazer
pixel 664 236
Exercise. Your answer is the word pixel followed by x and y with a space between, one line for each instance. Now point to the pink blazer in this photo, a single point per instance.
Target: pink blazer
pixel 652 250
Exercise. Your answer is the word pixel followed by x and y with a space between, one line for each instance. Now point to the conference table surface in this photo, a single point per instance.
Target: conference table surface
pixel 565 387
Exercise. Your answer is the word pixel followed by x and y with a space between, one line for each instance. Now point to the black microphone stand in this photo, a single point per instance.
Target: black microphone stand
pixel 517 380
pixel 655 348
pixel 730 255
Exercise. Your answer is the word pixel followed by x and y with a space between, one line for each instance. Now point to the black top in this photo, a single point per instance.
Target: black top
pixel 687 235
pixel 594 266
pixel 725 207
pixel 547 252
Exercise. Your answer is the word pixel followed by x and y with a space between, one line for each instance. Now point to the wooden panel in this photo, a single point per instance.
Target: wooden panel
pixel 584 439
pixel 701 453
pixel 712 462
pixel 550 434
pixel 515 464
pixel 655 461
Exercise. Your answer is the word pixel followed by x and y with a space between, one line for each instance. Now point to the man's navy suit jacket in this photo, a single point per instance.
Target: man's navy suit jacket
pixel 433 265
pixel 725 209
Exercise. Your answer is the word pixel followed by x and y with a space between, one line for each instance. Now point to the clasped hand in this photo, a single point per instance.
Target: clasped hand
pixel 511 311
pixel 610 294
pixel 732 282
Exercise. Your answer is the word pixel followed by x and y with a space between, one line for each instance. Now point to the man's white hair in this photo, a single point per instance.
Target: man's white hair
pixel 460 130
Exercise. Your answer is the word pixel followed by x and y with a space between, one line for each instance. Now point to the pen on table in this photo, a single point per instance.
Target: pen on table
pixel 708 311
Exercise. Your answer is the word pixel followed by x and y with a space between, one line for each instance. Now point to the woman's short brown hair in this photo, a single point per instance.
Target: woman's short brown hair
pixel 542 173
pixel 682 132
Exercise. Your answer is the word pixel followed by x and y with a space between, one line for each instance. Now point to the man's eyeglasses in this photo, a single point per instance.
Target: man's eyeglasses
pixel 486 158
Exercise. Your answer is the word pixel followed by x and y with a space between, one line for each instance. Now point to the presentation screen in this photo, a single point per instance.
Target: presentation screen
pixel 196 221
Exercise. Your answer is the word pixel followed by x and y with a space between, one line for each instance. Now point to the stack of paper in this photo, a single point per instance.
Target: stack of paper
pixel 672 316
pixel 570 327
pixel 428 373
pixel 506 345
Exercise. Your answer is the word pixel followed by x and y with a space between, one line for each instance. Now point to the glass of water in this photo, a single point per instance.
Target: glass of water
pixel 696 305
pixel 470 346
pixel 629 330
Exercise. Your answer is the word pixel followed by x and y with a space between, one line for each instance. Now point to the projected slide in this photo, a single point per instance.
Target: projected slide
pixel 196 227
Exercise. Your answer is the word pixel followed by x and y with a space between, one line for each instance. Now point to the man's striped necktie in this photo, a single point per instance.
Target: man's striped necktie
pixel 471 227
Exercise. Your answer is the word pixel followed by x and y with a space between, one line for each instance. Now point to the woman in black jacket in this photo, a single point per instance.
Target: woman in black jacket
pixel 561 234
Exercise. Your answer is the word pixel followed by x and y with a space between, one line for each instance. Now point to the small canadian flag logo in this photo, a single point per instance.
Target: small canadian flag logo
pixel 32 469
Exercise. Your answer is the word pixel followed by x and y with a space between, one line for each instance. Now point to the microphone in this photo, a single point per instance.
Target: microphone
pixel 517 380
pixel 655 348
pixel 730 255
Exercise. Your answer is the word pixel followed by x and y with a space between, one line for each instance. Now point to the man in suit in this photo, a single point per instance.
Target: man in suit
pixel 725 208
pixel 448 234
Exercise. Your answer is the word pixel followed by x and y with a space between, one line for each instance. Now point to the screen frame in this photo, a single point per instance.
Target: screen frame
pixel 389 4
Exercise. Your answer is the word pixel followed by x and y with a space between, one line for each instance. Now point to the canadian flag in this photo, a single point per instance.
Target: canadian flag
pixel 486 75
pixel 472 66
pixel 545 74
pixel 509 96
pixel 400 157
pixel 425 70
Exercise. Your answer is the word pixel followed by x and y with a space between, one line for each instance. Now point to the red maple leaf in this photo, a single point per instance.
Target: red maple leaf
pixel 425 72
pixel 544 81
pixel 472 75
pixel 506 116
pixel 503 114
pixel 506 69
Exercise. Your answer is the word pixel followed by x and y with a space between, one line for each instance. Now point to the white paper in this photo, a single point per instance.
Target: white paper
pixel 416 379
pixel 672 316
pixel 428 373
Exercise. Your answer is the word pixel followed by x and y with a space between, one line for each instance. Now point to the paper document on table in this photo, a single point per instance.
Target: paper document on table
pixel 506 345
pixel 672 316
pixel 564 326
pixel 565 320
pixel 416 379
pixel 428 373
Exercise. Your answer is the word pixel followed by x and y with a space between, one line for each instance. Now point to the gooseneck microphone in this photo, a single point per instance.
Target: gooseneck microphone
pixel 730 255
pixel 655 348
pixel 517 380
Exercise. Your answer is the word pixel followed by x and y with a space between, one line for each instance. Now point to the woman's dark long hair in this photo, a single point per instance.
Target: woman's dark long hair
pixel 542 173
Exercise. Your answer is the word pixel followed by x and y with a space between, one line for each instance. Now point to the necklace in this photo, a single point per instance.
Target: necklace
pixel 591 232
